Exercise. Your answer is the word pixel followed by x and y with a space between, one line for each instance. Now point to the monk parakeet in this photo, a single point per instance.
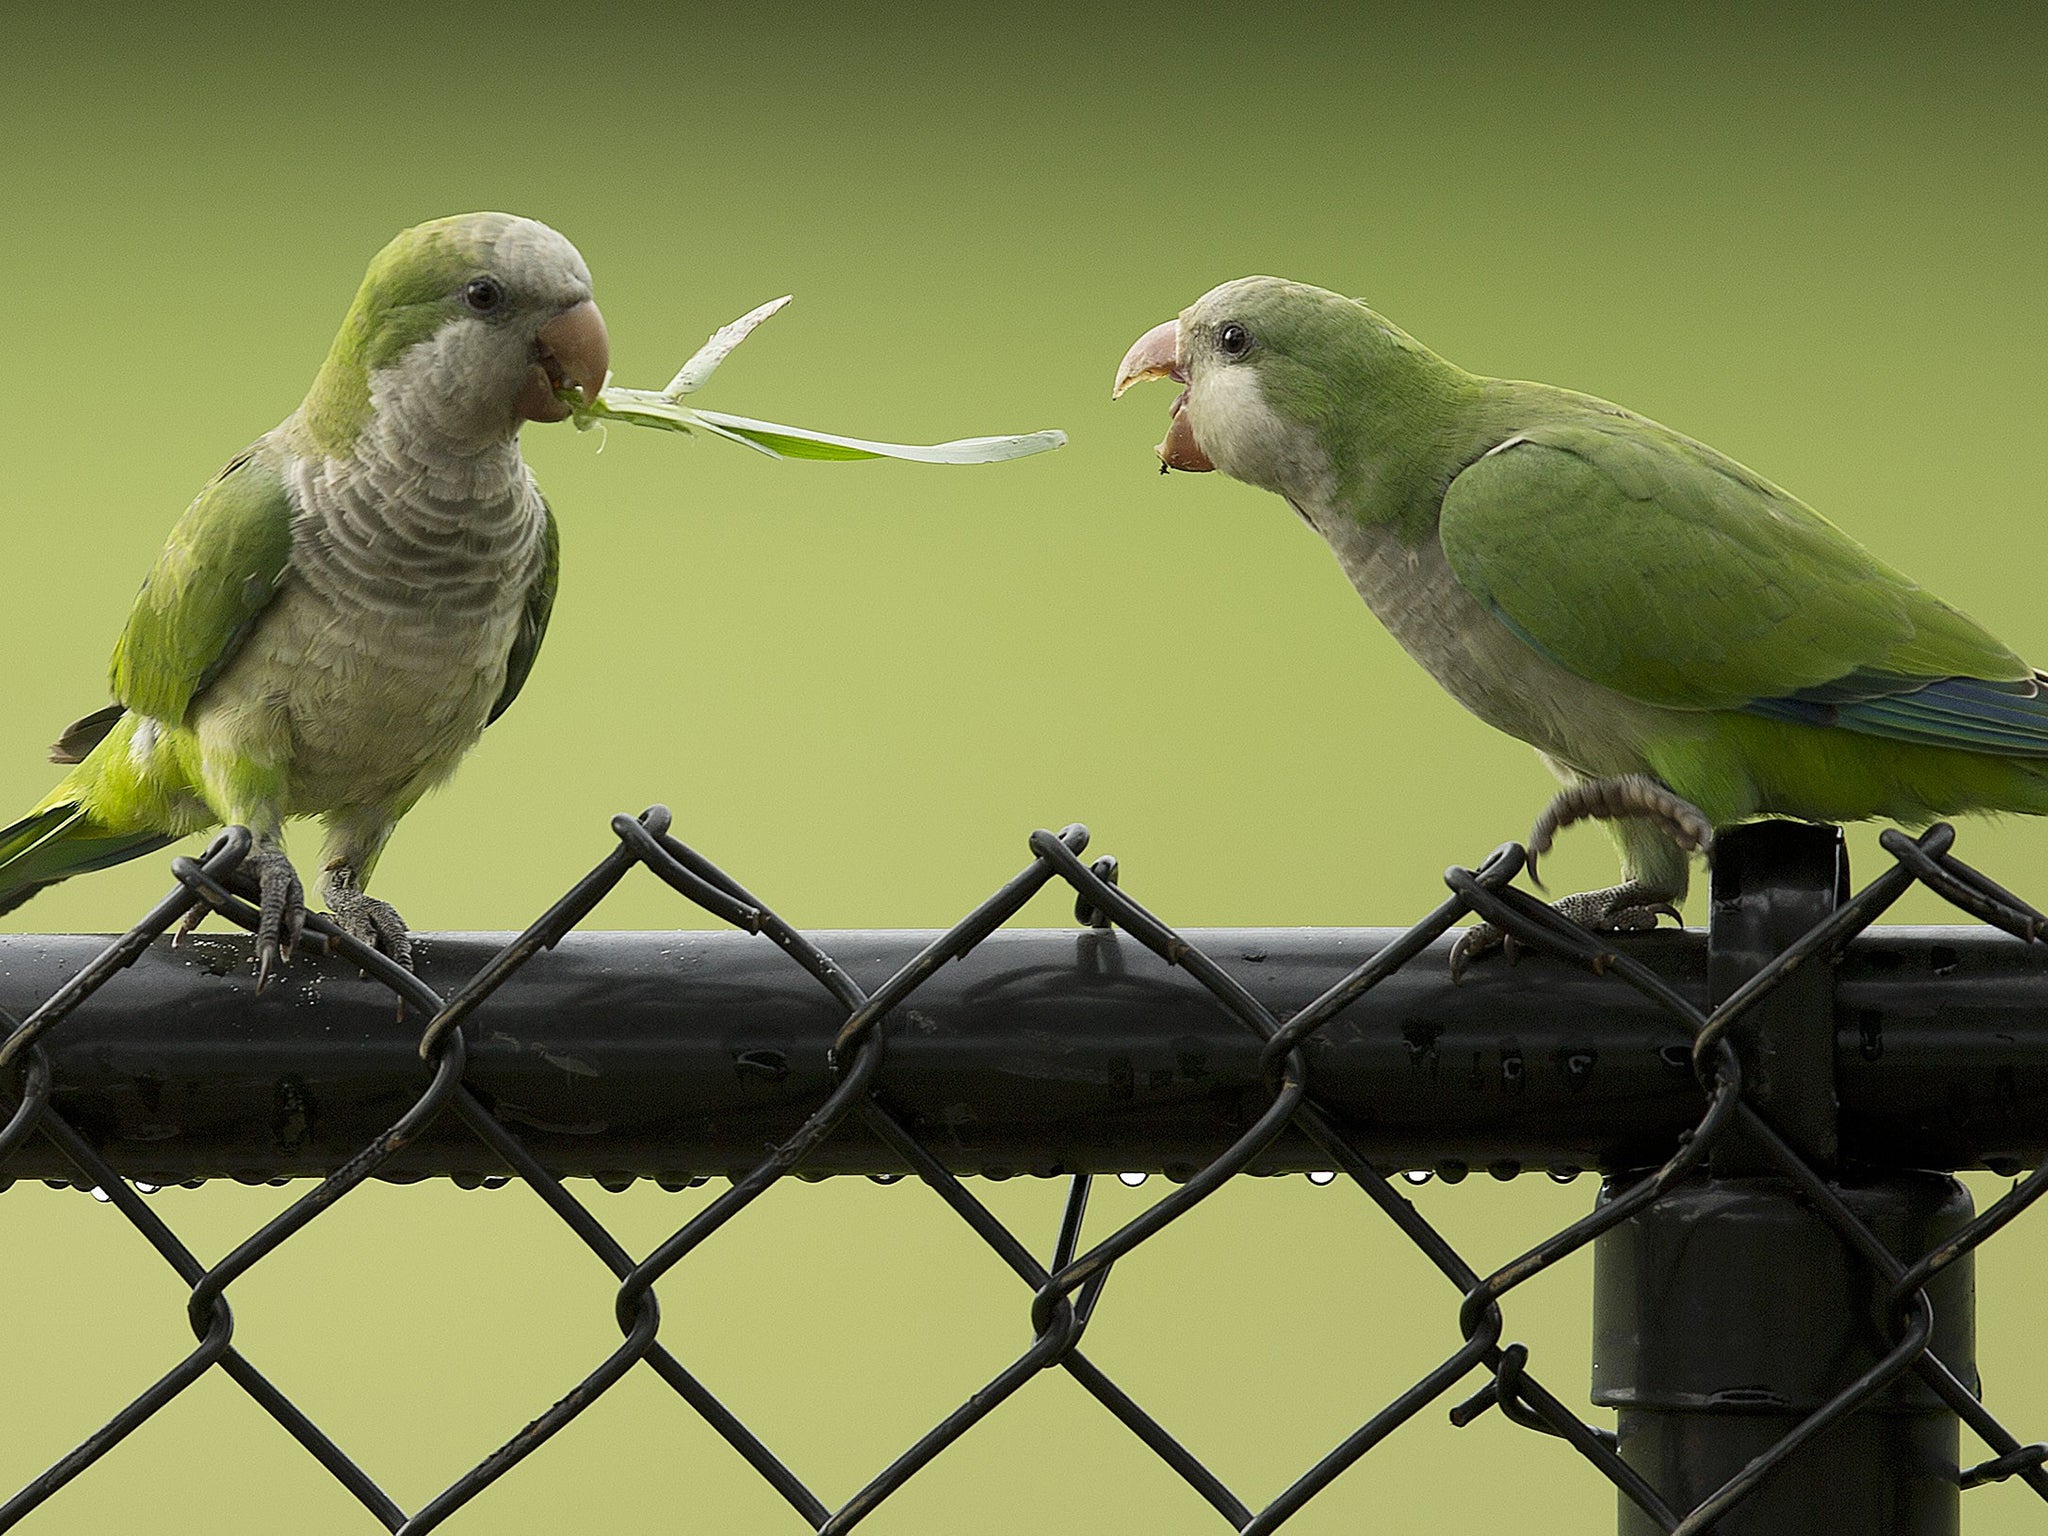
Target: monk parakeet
pixel 353 599
pixel 1684 644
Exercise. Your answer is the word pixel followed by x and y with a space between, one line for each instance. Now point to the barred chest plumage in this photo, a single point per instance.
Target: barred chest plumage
pixel 376 666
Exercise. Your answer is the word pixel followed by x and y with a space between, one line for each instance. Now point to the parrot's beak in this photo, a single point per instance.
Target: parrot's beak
pixel 575 351
pixel 1156 355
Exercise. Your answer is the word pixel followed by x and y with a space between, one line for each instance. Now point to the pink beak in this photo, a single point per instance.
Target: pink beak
pixel 1156 355
pixel 575 349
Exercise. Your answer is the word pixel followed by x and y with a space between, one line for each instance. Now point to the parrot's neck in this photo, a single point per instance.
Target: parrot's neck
pixel 403 442
pixel 437 397
pixel 1378 454
pixel 406 438
pixel 1396 446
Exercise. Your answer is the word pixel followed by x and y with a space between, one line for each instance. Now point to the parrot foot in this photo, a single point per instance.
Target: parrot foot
pixel 267 875
pixel 1631 907
pixel 1630 795
pixel 1476 943
pixel 365 918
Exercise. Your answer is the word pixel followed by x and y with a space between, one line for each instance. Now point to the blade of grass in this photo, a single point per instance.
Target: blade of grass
pixel 664 409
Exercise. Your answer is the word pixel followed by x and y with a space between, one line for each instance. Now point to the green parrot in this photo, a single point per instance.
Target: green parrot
pixel 1685 644
pixel 352 600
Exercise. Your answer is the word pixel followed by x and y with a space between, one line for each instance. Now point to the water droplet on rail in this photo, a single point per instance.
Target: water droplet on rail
pixel 146 1189
pixel 1322 1177
pixel 1416 1176
pixel 1133 1179
pixel 885 1178
pixel 100 1195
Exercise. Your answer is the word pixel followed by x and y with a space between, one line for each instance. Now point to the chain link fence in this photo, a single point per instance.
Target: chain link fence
pixel 1731 1125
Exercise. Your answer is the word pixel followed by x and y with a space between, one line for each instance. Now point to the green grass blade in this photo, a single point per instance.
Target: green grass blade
pixel 802 443
pixel 693 374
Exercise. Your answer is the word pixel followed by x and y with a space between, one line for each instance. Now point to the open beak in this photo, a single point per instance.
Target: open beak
pixel 574 352
pixel 1157 355
pixel 1154 355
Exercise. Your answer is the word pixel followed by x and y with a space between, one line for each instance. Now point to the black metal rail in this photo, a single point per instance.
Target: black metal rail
pixel 1783 1309
pixel 674 1055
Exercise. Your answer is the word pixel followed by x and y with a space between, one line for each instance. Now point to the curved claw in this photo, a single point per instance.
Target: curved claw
pixel 1468 948
pixel 196 914
pixel 1543 837
pixel 1628 908
pixel 1478 942
pixel 268 959
pixel 1561 812
pixel 367 919
pixel 280 912
pixel 387 930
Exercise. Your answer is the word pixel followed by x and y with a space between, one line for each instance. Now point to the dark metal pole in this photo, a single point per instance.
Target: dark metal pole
pixel 1729 1310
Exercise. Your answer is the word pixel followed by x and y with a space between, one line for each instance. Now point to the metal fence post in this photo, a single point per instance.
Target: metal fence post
pixel 1728 1311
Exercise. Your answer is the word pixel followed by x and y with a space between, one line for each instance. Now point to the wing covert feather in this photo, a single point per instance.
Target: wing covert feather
pixel 218 571
pixel 1648 563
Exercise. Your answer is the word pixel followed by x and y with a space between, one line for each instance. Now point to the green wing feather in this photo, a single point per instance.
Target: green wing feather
pixel 62 840
pixel 533 625
pixel 218 571
pixel 1651 564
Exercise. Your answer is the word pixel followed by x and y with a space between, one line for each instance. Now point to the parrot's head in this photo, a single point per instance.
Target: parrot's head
pixel 464 329
pixel 1282 382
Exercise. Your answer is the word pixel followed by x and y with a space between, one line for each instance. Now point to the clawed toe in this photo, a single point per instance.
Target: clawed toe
pixel 1479 942
pixel 1629 908
pixel 366 919
pixel 1643 919
pixel 1474 943
pixel 377 924
pixel 1628 796
pixel 196 914
pixel 280 909
pixel 267 877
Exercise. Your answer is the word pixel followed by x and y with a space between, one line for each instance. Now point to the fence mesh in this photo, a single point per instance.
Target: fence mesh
pixel 1063 1293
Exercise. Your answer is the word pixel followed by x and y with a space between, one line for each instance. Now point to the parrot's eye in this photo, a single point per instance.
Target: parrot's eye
pixel 483 294
pixel 1234 340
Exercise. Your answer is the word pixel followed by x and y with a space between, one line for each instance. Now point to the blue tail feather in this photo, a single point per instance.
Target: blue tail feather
pixel 1967 713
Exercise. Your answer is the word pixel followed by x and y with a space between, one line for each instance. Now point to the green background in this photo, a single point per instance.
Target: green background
pixel 860 686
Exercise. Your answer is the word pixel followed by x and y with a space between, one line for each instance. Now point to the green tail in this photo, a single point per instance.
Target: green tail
pixel 61 841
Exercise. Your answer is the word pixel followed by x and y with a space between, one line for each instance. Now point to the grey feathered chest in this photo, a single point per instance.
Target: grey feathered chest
pixel 377 664
pixel 1479 661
